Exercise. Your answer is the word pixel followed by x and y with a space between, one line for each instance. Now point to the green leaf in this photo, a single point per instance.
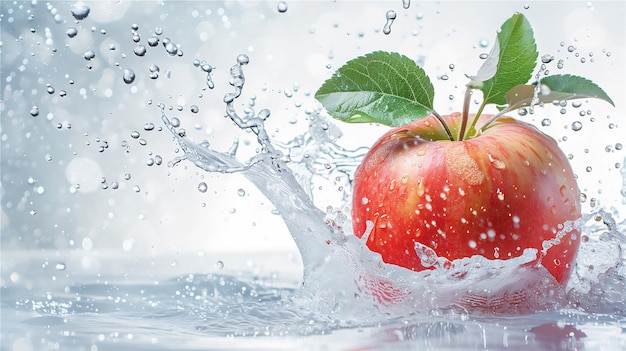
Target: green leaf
pixel 569 87
pixel 380 87
pixel 555 88
pixel 516 59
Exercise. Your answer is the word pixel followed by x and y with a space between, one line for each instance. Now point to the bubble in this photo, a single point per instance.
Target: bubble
pixel 391 16
pixel 576 126
pixel 282 6
pixel 71 32
pixel 203 187
pixel 80 10
pixel 128 76
pixel 140 50
pixel 89 55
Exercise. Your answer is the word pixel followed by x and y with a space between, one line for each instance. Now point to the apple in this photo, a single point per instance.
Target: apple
pixel 494 195
pixel 462 184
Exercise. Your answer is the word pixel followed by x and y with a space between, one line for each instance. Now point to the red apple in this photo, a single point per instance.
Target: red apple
pixel 494 195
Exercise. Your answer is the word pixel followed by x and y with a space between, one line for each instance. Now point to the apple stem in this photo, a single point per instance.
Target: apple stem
pixel 465 116
pixel 475 120
pixel 444 124
pixel 494 118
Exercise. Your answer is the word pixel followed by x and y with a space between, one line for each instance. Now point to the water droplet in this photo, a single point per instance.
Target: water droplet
pixel 129 76
pixel 136 188
pixel 546 122
pixel 483 43
pixel 618 146
pixel 80 10
pixel 576 126
pixel 547 58
pixel 560 64
pixel 153 41
pixel 127 176
pixel 444 77
pixel 34 111
pixel 71 32
pixel 522 111
pixel 588 169
pixel 282 6
pixel 171 48
pixel 241 192
pixel 571 48
pixel 89 55
pixel 391 16
pixel 60 266
pixel 219 264
pixel 483 56
pixel 148 126
pixel 406 4
pixel 140 50
pixel 243 59
pixel 202 187
pixel 175 122
pixel 134 134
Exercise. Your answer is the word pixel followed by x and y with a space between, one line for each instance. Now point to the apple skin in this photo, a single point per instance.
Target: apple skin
pixel 494 195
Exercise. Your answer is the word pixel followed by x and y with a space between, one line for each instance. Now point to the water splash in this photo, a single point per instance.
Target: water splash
pixel 340 273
